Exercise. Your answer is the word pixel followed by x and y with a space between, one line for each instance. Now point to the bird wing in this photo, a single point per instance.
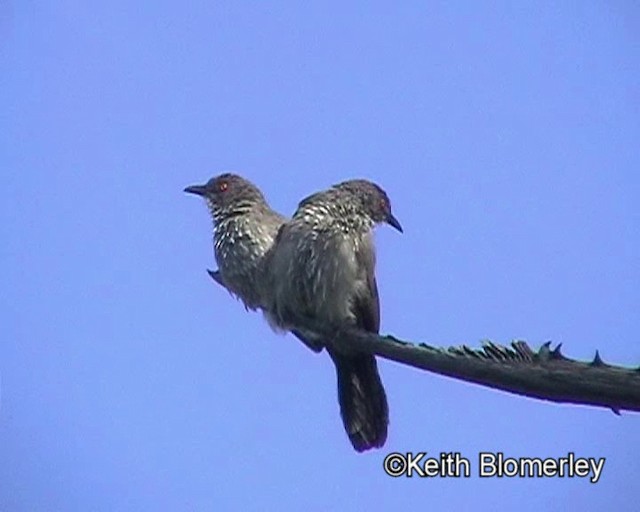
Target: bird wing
pixel 367 301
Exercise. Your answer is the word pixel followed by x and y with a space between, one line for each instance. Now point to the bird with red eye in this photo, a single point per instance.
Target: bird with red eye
pixel 374 200
pixel 320 271
pixel 225 192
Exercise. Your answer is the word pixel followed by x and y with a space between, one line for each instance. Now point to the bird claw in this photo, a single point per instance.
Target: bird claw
pixel 215 275
pixel 340 340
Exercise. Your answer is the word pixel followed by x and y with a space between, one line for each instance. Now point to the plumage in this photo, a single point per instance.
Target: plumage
pixel 321 270
pixel 244 229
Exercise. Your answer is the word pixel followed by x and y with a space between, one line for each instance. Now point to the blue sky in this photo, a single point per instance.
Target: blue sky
pixel 506 135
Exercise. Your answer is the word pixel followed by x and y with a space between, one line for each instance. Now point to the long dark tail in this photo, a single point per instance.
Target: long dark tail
pixel 363 401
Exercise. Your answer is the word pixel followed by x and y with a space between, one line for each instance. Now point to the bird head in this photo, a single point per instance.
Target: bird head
pixel 373 200
pixel 228 194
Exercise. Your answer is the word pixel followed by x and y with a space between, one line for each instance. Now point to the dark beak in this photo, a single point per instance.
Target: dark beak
pixel 199 190
pixel 392 221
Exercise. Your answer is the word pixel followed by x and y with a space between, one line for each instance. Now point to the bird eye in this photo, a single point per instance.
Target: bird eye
pixel 222 186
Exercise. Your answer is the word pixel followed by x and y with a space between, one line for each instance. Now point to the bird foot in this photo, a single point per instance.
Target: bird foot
pixel 340 340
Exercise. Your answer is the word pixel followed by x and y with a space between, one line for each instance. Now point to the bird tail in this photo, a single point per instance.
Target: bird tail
pixel 363 401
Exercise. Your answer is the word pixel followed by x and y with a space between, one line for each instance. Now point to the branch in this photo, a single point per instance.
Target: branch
pixel 545 374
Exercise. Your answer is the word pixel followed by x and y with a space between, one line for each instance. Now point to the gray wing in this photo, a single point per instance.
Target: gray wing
pixel 361 395
pixel 286 288
pixel 367 304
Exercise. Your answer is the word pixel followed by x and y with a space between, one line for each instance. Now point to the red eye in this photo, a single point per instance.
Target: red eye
pixel 223 186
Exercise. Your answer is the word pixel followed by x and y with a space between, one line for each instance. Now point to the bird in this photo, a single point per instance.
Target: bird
pixel 244 229
pixel 321 271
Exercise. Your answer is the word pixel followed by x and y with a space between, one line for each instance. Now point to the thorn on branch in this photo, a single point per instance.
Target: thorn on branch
pixel 544 353
pixel 557 354
pixel 597 360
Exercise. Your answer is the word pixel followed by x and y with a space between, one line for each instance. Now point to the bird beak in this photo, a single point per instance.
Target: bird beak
pixel 392 221
pixel 199 190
